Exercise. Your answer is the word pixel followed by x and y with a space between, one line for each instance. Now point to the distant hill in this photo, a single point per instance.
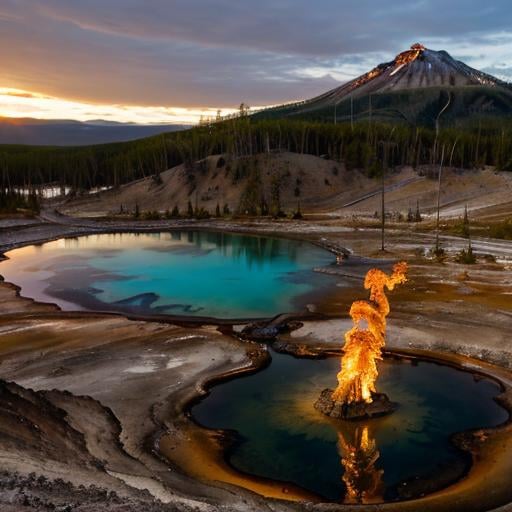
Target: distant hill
pixel 64 132
pixel 414 87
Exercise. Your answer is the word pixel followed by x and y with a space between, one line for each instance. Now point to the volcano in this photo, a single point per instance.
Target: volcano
pixel 411 87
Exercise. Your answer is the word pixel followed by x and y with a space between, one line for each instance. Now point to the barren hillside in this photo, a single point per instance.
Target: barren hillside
pixel 486 193
pixel 242 184
pixel 247 184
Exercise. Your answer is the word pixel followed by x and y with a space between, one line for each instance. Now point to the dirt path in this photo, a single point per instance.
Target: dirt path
pixel 389 188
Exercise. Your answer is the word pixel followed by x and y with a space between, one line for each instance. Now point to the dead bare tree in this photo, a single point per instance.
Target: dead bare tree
pixel 439 200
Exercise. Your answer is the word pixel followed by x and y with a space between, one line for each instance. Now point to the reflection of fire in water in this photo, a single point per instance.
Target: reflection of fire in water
pixel 363 347
pixel 363 481
pixel 355 397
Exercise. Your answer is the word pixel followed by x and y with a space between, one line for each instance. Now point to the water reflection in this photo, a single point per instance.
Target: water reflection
pixel 359 457
pixel 190 272
pixel 396 457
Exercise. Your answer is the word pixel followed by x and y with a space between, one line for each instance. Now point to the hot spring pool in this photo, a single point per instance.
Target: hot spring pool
pixel 280 436
pixel 193 273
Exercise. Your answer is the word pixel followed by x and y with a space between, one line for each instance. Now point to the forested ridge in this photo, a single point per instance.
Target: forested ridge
pixel 363 145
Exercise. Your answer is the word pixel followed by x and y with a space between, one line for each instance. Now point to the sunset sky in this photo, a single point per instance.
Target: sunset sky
pixel 154 61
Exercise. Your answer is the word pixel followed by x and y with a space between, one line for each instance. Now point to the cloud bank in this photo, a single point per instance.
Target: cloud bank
pixel 218 53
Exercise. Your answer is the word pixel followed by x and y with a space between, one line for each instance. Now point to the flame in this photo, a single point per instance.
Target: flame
pixel 363 347
pixel 409 55
pixel 400 60
pixel 359 454
pixel 367 77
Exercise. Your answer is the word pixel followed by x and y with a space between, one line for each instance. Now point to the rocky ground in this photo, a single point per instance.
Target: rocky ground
pixel 90 403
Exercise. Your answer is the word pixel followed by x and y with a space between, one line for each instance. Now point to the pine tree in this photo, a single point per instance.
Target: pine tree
pixel 417 216
pixel 298 214
pixel 465 223
pixel 275 196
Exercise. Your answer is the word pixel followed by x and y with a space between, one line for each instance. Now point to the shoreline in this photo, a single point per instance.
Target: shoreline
pixel 165 317
pixel 491 446
pixel 219 442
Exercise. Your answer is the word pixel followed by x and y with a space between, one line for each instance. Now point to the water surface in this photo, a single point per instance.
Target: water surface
pixel 406 454
pixel 182 273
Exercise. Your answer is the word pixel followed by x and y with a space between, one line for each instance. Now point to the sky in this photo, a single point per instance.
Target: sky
pixel 171 61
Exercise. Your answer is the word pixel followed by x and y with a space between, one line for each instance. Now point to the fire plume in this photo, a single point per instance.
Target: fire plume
pixel 363 347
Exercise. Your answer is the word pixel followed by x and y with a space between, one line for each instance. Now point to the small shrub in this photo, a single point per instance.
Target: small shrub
pixel 202 213
pixel 152 215
pixel 466 257
pixel 417 215
pixel 437 253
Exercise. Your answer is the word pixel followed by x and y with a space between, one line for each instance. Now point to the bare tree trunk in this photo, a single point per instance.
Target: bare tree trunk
pixel 383 209
pixel 477 151
pixel 452 152
pixel 351 112
pixel 439 199
pixel 441 112
pixel 369 117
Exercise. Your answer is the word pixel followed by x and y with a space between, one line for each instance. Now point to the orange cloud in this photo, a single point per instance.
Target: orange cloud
pixel 21 94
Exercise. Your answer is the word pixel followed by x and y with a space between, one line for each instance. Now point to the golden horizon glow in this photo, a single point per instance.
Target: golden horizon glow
pixel 20 103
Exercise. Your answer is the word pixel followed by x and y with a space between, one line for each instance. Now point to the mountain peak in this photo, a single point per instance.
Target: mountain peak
pixel 411 55
pixel 401 60
pixel 417 68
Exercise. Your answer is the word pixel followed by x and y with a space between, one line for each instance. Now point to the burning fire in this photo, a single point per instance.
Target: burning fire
pixel 374 73
pixel 363 347
pixel 400 60
pixel 409 55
